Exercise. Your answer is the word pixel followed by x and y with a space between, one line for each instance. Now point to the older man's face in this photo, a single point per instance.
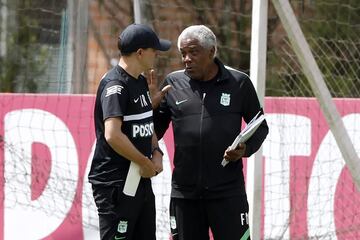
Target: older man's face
pixel 196 58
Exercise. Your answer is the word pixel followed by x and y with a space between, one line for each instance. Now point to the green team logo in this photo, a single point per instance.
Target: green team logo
pixel 225 99
pixel 122 227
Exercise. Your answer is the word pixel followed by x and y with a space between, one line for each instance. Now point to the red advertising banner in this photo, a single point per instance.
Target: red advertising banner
pixel 46 145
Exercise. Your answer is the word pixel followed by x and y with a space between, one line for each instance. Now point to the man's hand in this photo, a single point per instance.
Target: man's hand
pixel 148 169
pixel 157 159
pixel 236 154
pixel 155 94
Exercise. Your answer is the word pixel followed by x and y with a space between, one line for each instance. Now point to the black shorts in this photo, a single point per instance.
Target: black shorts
pixel 125 217
pixel 190 219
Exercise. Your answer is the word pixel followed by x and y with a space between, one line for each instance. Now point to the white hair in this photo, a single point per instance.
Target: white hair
pixel 203 34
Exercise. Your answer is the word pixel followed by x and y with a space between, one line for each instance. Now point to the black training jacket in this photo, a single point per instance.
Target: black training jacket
pixel 206 117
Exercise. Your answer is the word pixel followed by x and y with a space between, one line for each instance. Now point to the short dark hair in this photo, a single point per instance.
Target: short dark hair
pixel 119 47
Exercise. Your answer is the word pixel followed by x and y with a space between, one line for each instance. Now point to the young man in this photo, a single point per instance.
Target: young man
pixel 124 132
pixel 206 104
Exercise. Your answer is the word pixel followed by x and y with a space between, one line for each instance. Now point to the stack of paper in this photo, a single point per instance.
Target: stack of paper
pixel 246 133
pixel 132 180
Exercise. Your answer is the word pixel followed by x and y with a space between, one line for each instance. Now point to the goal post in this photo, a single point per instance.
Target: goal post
pixel 258 77
pixel 317 83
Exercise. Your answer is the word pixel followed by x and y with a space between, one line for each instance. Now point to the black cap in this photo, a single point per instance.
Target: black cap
pixel 137 36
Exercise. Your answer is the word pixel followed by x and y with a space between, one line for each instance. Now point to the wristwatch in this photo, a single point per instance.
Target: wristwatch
pixel 157 149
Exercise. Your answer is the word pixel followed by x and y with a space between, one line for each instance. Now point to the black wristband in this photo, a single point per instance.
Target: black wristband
pixel 157 149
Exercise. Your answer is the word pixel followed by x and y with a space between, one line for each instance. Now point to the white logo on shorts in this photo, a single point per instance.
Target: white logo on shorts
pixel 122 227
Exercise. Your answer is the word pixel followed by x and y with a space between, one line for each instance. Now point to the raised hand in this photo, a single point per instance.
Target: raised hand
pixel 155 94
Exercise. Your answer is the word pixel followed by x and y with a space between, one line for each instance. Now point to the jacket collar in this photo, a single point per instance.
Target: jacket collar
pixel 224 73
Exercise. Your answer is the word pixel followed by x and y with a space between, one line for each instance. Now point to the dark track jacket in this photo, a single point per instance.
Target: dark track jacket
pixel 206 117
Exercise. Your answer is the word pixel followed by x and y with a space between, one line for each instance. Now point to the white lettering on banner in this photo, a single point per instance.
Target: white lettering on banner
pixel 327 168
pixel 90 219
pixel 24 218
pixel 290 135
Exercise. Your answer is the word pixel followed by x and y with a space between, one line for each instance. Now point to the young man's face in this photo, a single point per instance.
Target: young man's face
pixel 196 58
pixel 148 58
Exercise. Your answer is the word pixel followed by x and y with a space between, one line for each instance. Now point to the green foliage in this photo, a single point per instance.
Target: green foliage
pixel 333 39
pixel 331 28
pixel 25 60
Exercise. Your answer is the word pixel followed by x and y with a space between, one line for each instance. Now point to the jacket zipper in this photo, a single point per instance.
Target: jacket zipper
pixel 200 148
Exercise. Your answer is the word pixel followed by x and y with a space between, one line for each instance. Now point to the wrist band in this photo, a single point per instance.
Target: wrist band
pixel 157 149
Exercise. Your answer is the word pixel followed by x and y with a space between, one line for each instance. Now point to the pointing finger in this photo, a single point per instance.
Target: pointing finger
pixel 165 89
